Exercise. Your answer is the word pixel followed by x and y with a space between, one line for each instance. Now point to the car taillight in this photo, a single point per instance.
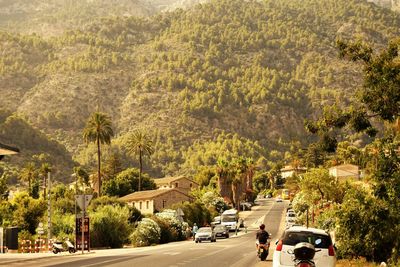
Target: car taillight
pixel 331 251
pixel 279 245
pixel 304 264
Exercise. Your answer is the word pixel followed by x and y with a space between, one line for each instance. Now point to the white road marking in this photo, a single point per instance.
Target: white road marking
pixel 172 253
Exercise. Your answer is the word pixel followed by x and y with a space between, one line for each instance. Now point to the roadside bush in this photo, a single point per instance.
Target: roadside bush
pixel 364 217
pixel 63 225
pixel 146 233
pixel 195 212
pixel 171 228
pixel 109 226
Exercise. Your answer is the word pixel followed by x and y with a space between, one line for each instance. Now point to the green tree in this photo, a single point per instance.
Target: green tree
pixel 139 144
pixel 98 129
pixel 318 183
pixel 381 92
pixel 127 182
pixel 81 178
pixel 27 212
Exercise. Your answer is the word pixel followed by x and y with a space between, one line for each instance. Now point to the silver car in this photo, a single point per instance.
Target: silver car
pixel 205 234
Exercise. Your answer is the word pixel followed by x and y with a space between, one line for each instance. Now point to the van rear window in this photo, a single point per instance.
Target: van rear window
pixel 319 241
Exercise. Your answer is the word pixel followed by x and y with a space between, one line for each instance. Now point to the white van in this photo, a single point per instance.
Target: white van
pixel 230 218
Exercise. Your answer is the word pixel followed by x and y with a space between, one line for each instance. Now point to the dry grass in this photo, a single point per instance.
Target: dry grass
pixel 355 263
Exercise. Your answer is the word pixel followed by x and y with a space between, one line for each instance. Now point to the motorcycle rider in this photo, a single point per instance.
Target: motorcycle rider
pixel 261 236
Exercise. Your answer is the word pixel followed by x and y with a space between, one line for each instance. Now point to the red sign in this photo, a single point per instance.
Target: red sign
pixel 78 233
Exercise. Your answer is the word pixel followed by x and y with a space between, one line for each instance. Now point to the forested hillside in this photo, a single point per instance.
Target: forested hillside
pixel 201 81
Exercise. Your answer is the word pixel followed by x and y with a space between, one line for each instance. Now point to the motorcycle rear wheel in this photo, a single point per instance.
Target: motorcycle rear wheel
pixel 263 255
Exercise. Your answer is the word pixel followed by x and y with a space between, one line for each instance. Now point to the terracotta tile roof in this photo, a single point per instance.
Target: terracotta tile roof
pixel 149 194
pixel 168 180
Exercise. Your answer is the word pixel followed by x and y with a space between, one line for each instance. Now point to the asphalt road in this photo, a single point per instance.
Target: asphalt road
pixel 235 251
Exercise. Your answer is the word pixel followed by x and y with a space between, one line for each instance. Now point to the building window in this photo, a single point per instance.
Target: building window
pixel 163 203
pixel 176 185
pixel 191 185
pixel 140 205
pixel 147 204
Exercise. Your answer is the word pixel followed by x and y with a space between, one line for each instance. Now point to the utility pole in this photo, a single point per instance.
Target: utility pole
pixel 48 211
pixel 307 216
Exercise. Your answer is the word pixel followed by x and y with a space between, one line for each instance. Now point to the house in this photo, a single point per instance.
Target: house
pixel 151 201
pixel 288 171
pixel 345 172
pixel 182 183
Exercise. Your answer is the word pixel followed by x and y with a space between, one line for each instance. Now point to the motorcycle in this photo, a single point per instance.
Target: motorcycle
pixel 263 249
pixel 58 247
pixel 304 254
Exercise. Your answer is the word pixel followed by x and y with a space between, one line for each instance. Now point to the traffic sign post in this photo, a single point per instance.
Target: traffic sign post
pixel 83 223
pixel 1 240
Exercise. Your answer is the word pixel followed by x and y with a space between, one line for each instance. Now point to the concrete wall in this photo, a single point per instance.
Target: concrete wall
pixel 144 206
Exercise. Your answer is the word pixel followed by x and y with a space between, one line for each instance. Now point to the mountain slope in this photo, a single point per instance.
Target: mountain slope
pixel 255 69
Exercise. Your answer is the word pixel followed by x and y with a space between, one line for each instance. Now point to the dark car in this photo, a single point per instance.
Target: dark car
pixel 221 231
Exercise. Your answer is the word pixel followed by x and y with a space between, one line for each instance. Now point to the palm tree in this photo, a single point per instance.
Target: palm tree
pixel 98 129
pixel 240 172
pixel 28 174
pixel 139 144
pixel 223 171
pixel 44 170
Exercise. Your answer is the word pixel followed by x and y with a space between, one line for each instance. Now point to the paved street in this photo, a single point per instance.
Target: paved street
pixel 235 251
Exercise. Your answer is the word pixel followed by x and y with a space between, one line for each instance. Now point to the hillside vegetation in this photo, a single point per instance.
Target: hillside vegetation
pixel 219 73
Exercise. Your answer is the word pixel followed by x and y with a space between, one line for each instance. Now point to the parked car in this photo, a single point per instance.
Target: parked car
pixel 290 215
pixel 278 199
pixel 216 221
pixel 246 205
pixel 290 212
pixel 290 221
pixel 221 231
pixel 205 234
pixel 325 257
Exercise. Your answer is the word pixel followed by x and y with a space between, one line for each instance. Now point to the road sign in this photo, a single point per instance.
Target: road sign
pixel 78 233
pixel 83 200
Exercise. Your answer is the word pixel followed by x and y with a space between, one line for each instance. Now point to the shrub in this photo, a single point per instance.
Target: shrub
pixel 63 225
pixel 109 226
pixel 171 228
pixel 195 212
pixel 146 233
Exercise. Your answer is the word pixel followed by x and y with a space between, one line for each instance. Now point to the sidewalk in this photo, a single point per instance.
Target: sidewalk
pixel 8 258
